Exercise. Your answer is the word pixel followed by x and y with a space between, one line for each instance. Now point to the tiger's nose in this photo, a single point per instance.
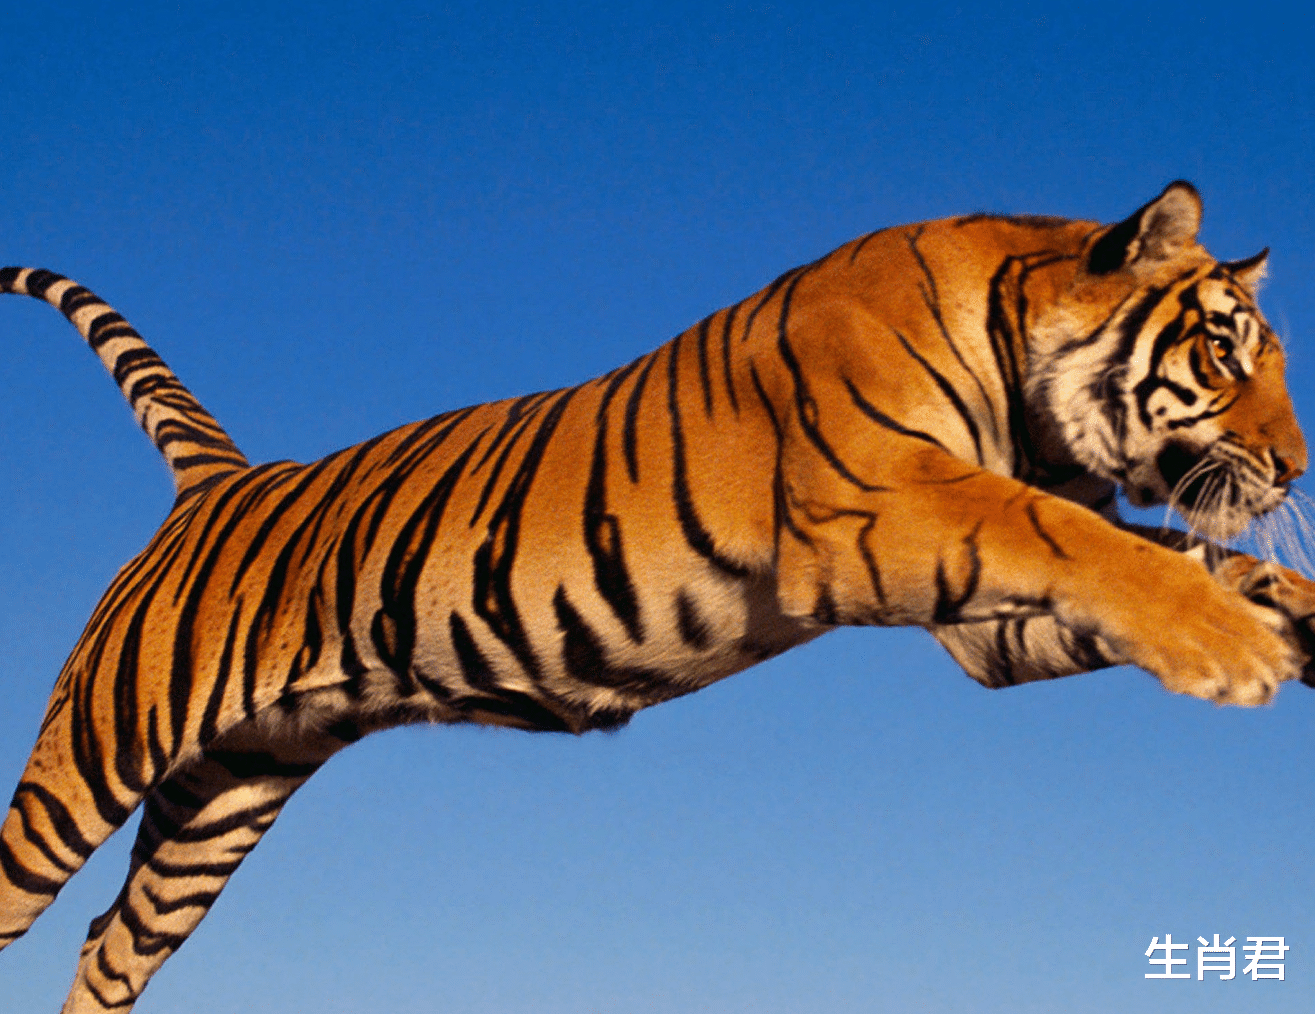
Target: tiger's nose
pixel 1286 471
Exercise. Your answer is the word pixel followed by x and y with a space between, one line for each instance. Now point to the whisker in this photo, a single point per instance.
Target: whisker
pixel 1202 467
pixel 1204 507
pixel 1264 532
pixel 1281 527
pixel 1299 534
pixel 1282 536
pixel 1217 512
pixel 1304 521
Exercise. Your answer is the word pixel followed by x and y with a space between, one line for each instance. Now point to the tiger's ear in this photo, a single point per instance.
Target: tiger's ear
pixel 1154 232
pixel 1250 272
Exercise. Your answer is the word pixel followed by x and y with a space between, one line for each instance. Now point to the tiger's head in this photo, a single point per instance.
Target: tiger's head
pixel 1163 376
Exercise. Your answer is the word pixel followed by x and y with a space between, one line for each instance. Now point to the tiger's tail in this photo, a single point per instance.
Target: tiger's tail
pixel 193 444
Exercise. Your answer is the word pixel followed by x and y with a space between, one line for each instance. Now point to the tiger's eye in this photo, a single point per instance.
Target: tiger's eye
pixel 1221 346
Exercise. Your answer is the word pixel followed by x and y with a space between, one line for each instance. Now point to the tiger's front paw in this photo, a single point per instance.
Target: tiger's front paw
pixel 1246 672
pixel 1285 592
pixel 1214 644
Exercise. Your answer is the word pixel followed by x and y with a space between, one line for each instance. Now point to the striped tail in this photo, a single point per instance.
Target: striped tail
pixel 194 445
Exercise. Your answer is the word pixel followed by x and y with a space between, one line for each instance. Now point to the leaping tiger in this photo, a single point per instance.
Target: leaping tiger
pixel 925 427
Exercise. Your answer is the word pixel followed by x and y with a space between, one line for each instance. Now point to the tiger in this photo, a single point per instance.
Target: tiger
pixel 929 426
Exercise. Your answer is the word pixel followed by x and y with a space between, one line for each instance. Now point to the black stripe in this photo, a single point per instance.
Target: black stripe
pixel 726 359
pixel 354 545
pixel 75 298
pixel 629 435
pixel 194 899
pixel 129 361
pixel 223 869
pixel 858 247
pixel 693 628
pixel 312 635
pixel 1129 331
pixel 805 405
pixel 154 746
pixel 246 764
pixel 1000 666
pixel 870 561
pixel 881 419
pixel 1217 409
pixel 1004 338
pixel 513 415
pixel 704 382
pixel 696 534
pixel 950 393
pixel 402 570
pixel 345 595
pixel 112 974
pixel 791 276
pixel 105 1001
pixel 289 498
pixel 34 838
pixel 422 440
pixel 781 514
pixel 181 672
pixel 252 818
pixel 532 716
pixel 174 431
pixel 107 326
pixel 602 530
pixel 1045 536
pixel 585 660
pixel 932 298
pixel 1174 332
pixel 244 489
pixel 23 878
pixel 475 669
pixel 40 280
pixel 824 606
pixel 90 755
pixel 950 601
pixel 126 689
pixel 1008 334
pixel 167 391
pixel 1025 221
pixel 1130 327
pixel 502 702
pixel 492 481
pixel 492 596
pixel 193 460
pixel 61 820
pixel 210 717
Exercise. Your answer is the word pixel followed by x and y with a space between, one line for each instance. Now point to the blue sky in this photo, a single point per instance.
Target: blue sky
pixel 331 221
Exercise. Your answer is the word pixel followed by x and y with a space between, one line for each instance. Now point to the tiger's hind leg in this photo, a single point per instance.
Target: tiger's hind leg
pixel 63 809
pixel 197 827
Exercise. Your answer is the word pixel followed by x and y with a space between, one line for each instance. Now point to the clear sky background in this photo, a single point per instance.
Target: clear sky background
pixel 332 221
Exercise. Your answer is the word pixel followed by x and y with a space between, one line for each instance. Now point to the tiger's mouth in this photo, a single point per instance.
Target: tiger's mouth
pixel 1218 490
pixel 1175 463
